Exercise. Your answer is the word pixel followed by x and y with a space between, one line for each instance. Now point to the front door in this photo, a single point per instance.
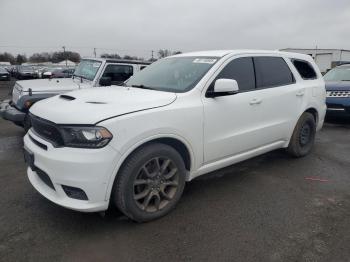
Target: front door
pixel 231 123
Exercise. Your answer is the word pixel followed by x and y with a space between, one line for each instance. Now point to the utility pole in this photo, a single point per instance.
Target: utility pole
pixel 94 51
pixel 152 55
pixel 64 53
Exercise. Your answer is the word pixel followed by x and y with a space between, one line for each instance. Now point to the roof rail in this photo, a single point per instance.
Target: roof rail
pixel 125 61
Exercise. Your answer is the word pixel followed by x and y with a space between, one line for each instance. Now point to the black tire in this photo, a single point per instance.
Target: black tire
pixel 303 137
pixel 164 180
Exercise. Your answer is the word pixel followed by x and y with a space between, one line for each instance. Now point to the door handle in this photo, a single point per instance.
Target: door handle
pixel 300 93
pixel 255 101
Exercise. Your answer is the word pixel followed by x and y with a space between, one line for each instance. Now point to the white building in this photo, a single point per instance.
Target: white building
pixel 324 58
pixel 66 63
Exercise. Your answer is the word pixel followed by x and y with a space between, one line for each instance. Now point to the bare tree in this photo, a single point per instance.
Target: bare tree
pixel 115 56
pixel 20 59
pixel 163 53
pixel 166 52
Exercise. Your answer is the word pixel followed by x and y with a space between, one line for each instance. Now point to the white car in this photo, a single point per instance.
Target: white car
pixel 181 117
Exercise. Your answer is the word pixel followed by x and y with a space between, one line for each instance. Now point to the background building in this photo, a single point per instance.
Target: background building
pixel 324 58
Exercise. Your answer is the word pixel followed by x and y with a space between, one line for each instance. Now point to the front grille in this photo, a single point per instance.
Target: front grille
pixel 47 130
pixel 338 94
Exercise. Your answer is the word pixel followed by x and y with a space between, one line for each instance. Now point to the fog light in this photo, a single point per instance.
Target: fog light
pixel 74 192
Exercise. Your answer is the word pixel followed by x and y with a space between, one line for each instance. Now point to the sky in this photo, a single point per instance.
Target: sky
pixel 136 27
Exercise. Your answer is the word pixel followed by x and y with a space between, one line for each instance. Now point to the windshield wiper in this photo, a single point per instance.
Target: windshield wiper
pixel 143 87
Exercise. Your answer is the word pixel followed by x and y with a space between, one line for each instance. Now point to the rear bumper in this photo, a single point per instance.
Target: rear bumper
pixel 9 112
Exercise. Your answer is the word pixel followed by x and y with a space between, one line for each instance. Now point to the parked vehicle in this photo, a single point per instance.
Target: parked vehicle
pixel 179 118
pixel 4 74
pixel 338 90
pixel 63 73
pixel 47 72
pixel 26 72
pixel 89 73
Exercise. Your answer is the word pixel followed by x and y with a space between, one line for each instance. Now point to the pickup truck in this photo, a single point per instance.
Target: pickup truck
pixel 91 72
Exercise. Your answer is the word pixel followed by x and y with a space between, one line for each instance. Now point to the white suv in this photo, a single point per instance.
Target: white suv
pixel 136 145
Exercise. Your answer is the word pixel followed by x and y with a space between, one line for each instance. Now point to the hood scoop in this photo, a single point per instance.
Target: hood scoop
pixel 65 97
pixel 96 102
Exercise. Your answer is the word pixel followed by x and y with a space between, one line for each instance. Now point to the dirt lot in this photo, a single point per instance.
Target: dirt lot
pixel 259 210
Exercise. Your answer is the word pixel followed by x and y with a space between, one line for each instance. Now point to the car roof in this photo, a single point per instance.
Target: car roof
pixel 119 61
pixel 344 66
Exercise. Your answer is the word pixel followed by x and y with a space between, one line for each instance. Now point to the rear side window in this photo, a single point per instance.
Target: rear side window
pixel 241 70
pixel 304 68
pixel 272 72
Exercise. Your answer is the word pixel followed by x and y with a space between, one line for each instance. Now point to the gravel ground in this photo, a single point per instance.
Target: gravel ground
pixel 263 209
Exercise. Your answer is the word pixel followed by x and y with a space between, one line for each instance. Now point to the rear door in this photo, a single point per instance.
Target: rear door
pixel 280 98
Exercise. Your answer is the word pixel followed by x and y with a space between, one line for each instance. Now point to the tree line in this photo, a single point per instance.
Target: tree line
pixel 56 57
pixel 160 54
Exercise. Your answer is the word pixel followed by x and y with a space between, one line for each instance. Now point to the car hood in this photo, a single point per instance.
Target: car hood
pixel 90 106
pixel 50 85
pixel 338 86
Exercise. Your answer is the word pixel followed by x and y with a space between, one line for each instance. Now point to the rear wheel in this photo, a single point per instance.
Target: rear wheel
pixel 303 137
pixel 150 182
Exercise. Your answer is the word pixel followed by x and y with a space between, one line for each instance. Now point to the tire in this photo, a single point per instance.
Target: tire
pixel 144 190
pixel 303 137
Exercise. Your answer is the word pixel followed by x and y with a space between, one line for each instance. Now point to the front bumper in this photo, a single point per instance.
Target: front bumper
pixel 86 169
pixel 5 77
pixel 338 105
pixel 9 112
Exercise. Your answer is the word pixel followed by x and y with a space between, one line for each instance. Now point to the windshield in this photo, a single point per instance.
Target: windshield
pixel 338 74
pixel 87 69
pixel 174 74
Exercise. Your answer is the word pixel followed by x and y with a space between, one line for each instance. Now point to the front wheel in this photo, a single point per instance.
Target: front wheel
pixel 150 182
pixel 303 137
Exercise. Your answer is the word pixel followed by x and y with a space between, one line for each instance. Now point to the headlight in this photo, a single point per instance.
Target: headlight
pixel 86 137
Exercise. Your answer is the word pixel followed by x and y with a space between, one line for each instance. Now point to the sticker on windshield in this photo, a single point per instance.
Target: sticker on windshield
pixel 96 64
pixel 204 60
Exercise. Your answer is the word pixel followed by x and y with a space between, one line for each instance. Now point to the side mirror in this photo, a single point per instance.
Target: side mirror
pixel 224 87
pixel 105 81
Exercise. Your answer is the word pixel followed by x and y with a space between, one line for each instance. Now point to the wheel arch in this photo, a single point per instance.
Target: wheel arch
pixel 176 142
pixel 314 113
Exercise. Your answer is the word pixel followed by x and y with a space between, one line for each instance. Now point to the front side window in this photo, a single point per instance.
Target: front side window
pixel 241 70
pixel 118 73
pixel 87 69
pixel 338 74
pixel 173 74
pixel 272 72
